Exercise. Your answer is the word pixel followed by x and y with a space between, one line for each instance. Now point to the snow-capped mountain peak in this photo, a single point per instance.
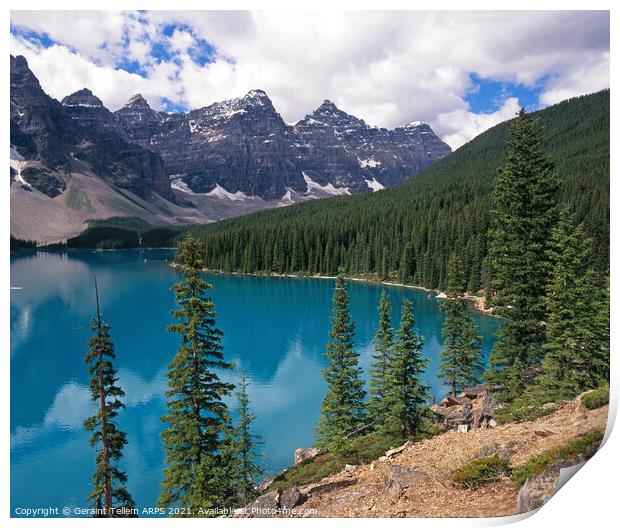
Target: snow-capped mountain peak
pixel 137 101
pixel 84 98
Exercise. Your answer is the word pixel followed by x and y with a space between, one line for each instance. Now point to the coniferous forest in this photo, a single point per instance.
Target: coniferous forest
pixel 408 233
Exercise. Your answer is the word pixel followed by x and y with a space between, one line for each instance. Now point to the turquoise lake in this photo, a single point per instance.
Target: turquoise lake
pixel 275 329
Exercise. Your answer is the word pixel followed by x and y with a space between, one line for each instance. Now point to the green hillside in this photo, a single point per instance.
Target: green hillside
pixel 409 231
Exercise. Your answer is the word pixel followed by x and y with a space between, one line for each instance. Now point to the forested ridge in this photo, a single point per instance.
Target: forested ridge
pixel 409 232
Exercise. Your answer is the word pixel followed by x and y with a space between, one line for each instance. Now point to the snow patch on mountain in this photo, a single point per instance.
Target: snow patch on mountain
pixel 374 185
pixel 218 192
pixel 287 196
pixel 223 194
pixel 180 185
pixel 83 105
pixel 18 162
pixel 372 163
pixel 327 189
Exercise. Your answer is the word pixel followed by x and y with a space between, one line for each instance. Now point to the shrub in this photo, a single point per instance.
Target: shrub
pixel 596 398
pixel 481 471
pixel 538 463
pixel 518 411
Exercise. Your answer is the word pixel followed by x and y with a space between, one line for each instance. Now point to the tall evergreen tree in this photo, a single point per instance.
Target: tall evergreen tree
pixel 522 216
pixel 342 410
pixel 460 361
pixel 246 467
pixel 194 476
pixel 383 342
pixel 577 347
pixel 109 497
pixel 405 393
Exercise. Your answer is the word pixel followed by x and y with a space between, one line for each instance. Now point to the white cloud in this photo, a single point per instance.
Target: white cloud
pixel 388 68
pixel 459 126
pixel 586 78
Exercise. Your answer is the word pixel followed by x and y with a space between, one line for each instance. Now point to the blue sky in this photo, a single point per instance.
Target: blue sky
pixel 489 95
pixel 460 72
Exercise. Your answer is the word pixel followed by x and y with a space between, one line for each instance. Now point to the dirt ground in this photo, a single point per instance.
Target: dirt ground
pixel 363 490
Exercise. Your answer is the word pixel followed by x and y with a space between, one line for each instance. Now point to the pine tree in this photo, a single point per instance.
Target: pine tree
pixel 460 361
pixel 109 497
pixel 383 342
pixel 577 347
pixel 246 467
pixel 524 211
pixel 405 393
pixel 194 475
pixel 342 410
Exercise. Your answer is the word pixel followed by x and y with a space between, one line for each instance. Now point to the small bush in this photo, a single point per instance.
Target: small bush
pixel 481 471
pixel 538 463
pixel 597 398
pixel 527 407
pixel 518 412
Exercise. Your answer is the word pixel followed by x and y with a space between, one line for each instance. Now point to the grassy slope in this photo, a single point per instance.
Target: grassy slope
pixel 573 133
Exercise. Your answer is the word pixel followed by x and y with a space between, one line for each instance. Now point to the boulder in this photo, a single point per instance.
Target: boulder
pixel 456 415
pixel 543 433
pixel 475 408
pixel 264 484
pixel 487 450
pixel 397 450
pixel 551 406
pixel 449 401
pixel 331 486
pixel 266 505
pixel 538 489
pixel 347 496
pixel 400 478
pixel 483 409
pixel 302 454
pixel 290 498
pixel 511 448
pixel 473 392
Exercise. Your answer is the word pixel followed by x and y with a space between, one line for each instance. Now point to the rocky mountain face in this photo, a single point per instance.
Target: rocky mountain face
pixel 346 151
pixel 230 158
pixel 243 146
pixel 50 136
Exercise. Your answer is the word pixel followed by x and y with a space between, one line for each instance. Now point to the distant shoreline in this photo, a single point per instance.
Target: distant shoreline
pixel 477 303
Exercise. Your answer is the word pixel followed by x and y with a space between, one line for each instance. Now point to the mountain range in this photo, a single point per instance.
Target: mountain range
pixel 74 160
